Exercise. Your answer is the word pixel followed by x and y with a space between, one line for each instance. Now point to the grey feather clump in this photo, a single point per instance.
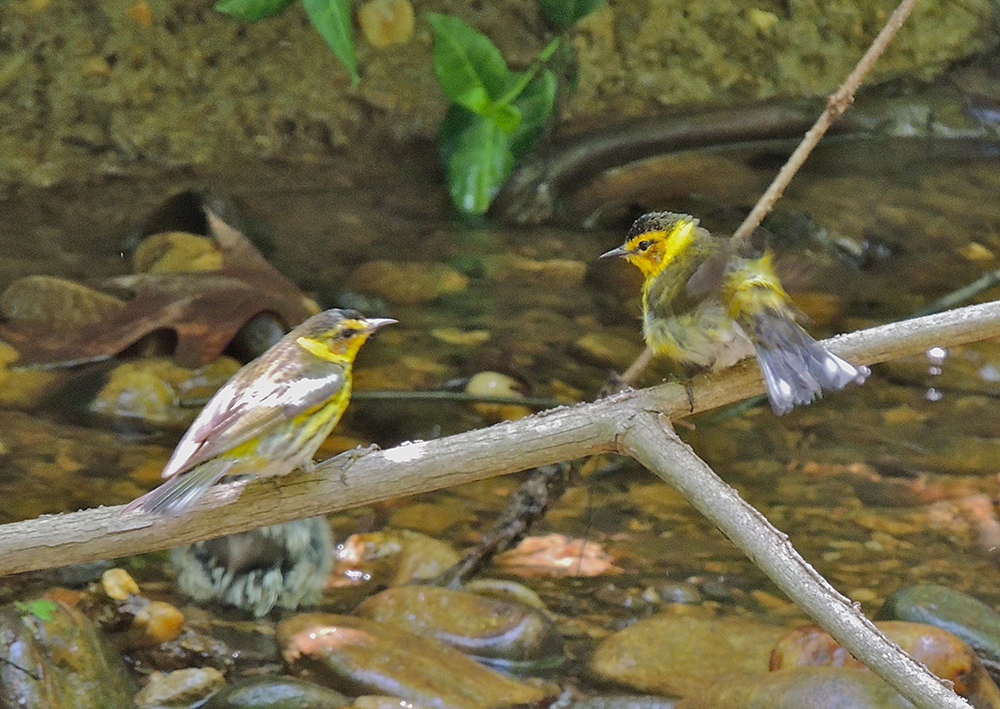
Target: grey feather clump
pixel 283 565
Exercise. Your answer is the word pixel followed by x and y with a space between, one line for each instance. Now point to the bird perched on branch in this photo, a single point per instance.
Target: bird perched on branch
pixel 708 303
pixel 272 415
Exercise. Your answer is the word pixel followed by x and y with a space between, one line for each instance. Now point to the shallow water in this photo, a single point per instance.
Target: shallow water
pixel 877 486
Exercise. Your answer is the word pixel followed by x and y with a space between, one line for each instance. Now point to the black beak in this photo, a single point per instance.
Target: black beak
pixel 620 251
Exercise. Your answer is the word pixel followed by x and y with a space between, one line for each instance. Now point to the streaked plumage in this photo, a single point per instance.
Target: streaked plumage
pixel 272 415
pixel 706 305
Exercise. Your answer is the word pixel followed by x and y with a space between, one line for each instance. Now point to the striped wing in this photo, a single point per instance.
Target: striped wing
pixel 259 397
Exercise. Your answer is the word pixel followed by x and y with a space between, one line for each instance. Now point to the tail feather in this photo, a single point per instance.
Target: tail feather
pixel 179 492
pixel 796 368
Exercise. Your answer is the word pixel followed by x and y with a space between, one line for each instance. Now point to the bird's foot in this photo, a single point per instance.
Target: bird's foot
pixel 350 457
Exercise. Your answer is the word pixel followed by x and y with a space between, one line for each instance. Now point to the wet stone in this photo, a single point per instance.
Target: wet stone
pixel 971 620
pixel 56 303
pixel 276 693
pixel 54 657
pixel 406 283
pixel 181 688
pixel 670 592
pixel 938 650
pixel 813 687
pixel 359 656
pixel 396 557
pixel 681 655
pixel 606 349
pixel 489 629
pixel 176 251
pixel 386 22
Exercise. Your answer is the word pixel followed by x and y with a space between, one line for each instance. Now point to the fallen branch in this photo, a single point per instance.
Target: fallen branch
pixel 549 437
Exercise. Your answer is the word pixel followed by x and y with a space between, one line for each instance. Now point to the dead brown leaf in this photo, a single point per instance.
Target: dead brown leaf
pixel 204 309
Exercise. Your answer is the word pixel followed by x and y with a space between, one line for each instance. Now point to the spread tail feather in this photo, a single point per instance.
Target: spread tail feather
pixel 796 368
pixel 177 493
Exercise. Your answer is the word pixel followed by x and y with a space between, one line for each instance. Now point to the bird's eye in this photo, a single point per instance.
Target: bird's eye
pixel 643 245
pixel 348 333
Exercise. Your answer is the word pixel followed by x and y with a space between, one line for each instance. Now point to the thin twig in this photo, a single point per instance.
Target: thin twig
pixel 835 106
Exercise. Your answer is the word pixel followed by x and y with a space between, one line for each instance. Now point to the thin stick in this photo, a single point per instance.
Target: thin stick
pixel 835 106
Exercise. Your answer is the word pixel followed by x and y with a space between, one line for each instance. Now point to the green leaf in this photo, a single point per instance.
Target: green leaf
pixel 506 116
pixel 536 104
pixel 476 156
pixel 251 10
pixel 41 609
pixel 563 13
pixel 470 70
pixel 332 19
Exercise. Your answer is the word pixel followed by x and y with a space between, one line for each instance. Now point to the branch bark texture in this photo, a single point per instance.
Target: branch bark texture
pixel 631 422
pixel 408 469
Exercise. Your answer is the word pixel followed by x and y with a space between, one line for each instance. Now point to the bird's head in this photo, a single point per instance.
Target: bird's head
pixel 337 335
pixel 655 240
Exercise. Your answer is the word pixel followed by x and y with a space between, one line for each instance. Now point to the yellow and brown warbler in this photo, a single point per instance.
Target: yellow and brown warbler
pixel 272 415
pixel 707 304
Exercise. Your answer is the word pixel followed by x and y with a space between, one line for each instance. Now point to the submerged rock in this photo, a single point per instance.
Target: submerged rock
pixel 54 657
pixel 403 283
pixel 395 557
pixel 812 687
pixel 489 629
pixel 56 303
pixel 971 620
pixel 937 649
pixel 276 693
pixel 681 655
pixel 173 251
pixel 180 688
pixel 153 389
pixel 359 656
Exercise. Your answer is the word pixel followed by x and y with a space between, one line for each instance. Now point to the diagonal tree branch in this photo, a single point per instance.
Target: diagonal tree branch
pixel 650 440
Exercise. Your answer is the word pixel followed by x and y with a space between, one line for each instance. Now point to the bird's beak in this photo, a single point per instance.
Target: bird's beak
pixel 620 251
pixel 376 323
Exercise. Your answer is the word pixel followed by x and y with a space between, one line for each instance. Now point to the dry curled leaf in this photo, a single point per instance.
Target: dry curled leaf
pixel 204 309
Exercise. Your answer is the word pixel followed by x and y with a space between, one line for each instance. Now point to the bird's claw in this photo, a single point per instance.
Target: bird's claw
pixel 350 457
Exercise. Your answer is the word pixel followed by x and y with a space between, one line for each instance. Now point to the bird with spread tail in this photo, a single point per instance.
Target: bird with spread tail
pixel 271 416
pixel 708 304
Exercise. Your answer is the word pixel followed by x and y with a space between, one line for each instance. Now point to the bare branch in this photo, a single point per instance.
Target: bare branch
pixel 616 423
pixel 651 441
pixel 548 437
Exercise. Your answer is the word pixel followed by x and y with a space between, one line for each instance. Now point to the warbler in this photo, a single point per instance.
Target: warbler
pixel 272 415
pixel 708 304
